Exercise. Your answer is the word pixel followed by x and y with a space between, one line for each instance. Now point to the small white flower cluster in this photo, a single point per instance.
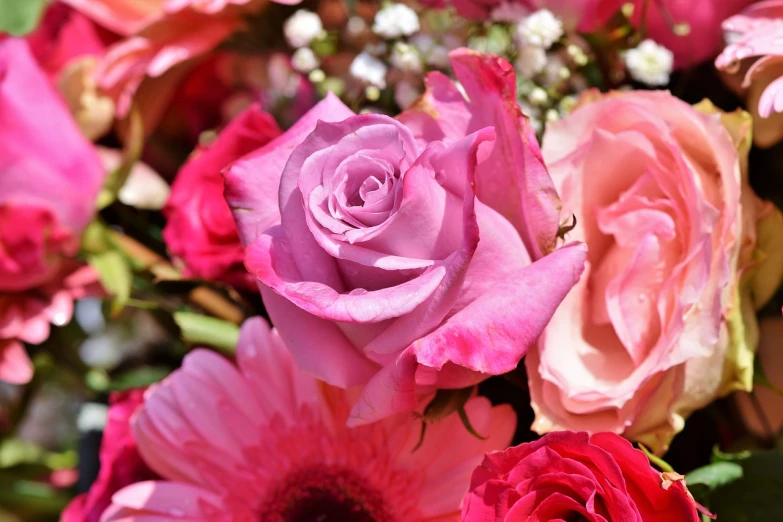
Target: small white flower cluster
pixel 300 30
pixel 393 22
pixel 369 69
pixel 535 34
pixel 649 63
pixel 540 29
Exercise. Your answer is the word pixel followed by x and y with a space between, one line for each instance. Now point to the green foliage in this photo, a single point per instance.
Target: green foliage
pixel 746 490
pixel 19 17
pixel 205 330
pixel 715 475
pixel 116 276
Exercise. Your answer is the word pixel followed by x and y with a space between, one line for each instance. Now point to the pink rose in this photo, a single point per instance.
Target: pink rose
pixel 160 35
pixel 654 329
pixel 68 46
pixel 121 464
pixel 396 254
pixel 63 36
pixel 760 67
pixel 573 476
pixel 200 230
pixel 48 185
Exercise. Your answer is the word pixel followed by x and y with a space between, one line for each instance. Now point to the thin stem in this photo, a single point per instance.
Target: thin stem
pixel 201 296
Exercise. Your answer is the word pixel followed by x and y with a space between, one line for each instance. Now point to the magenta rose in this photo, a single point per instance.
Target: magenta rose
pixel 572 476
pixel 48 185
pixel 398 254
pixel 200 230
pixel 121 464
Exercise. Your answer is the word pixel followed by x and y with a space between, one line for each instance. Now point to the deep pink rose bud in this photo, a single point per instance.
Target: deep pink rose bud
pixel 201 231
pixel 567 475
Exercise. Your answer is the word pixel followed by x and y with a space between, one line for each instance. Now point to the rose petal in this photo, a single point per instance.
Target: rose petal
pixel 252 183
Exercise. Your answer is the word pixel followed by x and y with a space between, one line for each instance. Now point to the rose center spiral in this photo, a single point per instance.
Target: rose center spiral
pixel 325 494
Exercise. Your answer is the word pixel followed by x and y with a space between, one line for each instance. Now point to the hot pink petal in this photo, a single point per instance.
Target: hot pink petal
pixel 57 170
pixel 512 179
pixel 15 365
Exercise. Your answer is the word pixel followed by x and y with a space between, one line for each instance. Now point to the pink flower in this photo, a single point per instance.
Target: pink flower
pixel 63 36
pixel 753 51
pixel 161 34
pixel 48 184
pixel 573 476
pixel 655 327
pixel 663 21
pixel 704 38
pixel 121 464
pixel 200 229
pixel 264 441
pixel 364 232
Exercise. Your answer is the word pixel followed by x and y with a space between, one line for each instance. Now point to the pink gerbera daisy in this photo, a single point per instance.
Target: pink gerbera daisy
pixel 262 441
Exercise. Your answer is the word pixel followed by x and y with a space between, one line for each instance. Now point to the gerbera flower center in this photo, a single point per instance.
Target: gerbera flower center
pixel 325 494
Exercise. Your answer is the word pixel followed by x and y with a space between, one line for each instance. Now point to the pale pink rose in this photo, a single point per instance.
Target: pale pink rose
pixel 754 52
pixel 48 184
pixel 654 329
pixel 261 440
pixel 397 254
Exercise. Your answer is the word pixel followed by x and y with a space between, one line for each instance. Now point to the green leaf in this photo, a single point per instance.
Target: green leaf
pixel 202 329
pixel 19 17
pixel 116 276
pixel 715 475
pixel 756 496
pixel 138 378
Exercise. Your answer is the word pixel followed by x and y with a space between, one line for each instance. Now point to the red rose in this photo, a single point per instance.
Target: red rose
pixel 567 475
pixel 121 464
pixel 200 229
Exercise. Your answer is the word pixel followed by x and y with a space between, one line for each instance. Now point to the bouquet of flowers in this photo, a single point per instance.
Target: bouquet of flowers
pixel 407 260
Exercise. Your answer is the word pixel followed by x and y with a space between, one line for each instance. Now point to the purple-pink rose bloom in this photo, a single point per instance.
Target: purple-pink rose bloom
pixel 407 255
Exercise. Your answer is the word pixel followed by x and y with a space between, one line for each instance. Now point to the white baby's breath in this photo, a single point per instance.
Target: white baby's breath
pixel 302 27
pixel 395 21
pixel 304 60
pixel 541 29
pixel 531 60
pixel 369 69
pixel 406 58
pixel 649 63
